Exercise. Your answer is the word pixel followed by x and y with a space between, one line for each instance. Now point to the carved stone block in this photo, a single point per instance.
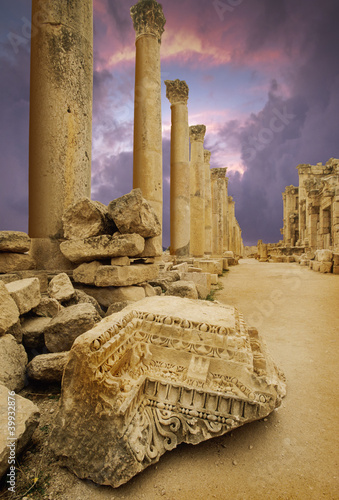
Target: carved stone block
pixel 163 371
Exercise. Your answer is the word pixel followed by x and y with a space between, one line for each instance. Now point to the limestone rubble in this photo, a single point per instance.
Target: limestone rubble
pixel 162 371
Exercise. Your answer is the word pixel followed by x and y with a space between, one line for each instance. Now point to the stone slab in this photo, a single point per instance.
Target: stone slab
pixel 214 266
pixel 14 241
pixel 125 276
pixel 11 262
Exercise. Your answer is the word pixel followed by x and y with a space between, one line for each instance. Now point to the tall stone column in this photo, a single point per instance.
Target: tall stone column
pixel 197 190
pixel 208 204
pixel 231 217
pixel 60 131
pixel 177 93
pixel 225 214
pixel 218 184
pixel 148 20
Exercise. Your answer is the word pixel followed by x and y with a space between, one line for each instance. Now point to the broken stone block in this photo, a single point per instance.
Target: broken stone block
pixel 16 331
pixel 27 416
pixel 48 367
pixel 118 306
pixel 228 255
pixel 82 297
pixel 214 266
pixel 108 295
pixel 9 312
pixel 13 363
pixel 33 332
pixel 86 272
pixel 225 264
pixel 87 218
pixel 163 371
pixel 152 248
pixel 133 214
pixel 183 289
pixel 323 256
pixel 61 288
pixel 325 267
pixel 68 325
pixel 316 266
pixel 48 308
pixel 125 276
pixel 214 279
pixel 149 290
pixel 103 247
pixel 14 241
pixel 11 262
pixel 202 279
pixel 25 293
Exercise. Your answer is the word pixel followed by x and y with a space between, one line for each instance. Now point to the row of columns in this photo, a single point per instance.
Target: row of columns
pixel 61 128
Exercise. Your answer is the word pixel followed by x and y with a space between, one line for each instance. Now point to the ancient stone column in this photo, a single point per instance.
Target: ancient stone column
pixel 231 217
pixel 60 132
pixel 218 184
pixel 197 190
pixel 148 20
pixel 177 93
pixel 208 204
pixel 225 214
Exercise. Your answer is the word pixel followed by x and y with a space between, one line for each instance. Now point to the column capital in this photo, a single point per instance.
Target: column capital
pixel 218 173
pixel 207 156
pixel 177 91
pixel 197 133
pixel 148 18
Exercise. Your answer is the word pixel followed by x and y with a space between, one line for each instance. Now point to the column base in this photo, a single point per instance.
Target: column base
pixel 46 252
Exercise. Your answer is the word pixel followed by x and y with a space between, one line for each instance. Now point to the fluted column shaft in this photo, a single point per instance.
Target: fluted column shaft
pixel 148 20
pixel 218 190
pixel 197 190
pixel 60 132
pixel 177 93
pixel 208 204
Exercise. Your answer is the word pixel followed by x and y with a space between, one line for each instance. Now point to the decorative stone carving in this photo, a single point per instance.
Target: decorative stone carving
pixel 177 91
pixel 163 371
pixel 148 18
pixel 197 133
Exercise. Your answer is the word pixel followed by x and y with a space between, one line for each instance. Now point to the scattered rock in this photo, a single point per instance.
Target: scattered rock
pixel 16 331
pixel 13 363
pixel 10 262
pixel 87 218
pixel 82 297
pixel 9 312
pixel 61 288
pixel 103 247
pixel 47 308
pixel 33 332
pixel 25 293
pixel 149 290
pixel 323 256
pixel 184 289
pixel 48 367
pixel 68 325
pixel 120 261
pixel 133 214
pixel 14 241
pixel 108 295
pixel 125 276
pixel 27 416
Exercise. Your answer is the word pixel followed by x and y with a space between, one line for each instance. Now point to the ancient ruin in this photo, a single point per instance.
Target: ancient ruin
pixel 161 372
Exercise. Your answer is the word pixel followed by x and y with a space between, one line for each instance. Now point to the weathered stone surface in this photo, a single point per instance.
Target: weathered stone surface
pixel 185 289
pixel 10 262
pixel 14 241
pixel 81 297
pixel 87 218
pixel 108 295
pixel 336 259
pixel 316 265
pixel 335 270
pixel 61 288
pixel 48 367
pixel 27 417
pixel 125 276
pixel 9 312
pixel 68 325
pixel 121 261
pixel 225 264
pixel 133 214
pixel 13 363
pixel 33 332
pixel 25 293
pixel 214 266
pixel 325 267
pixel 162 371
pixel 48 308
pixel 149 290
pixel 118 306
pixel 16 332
pixel 323 255
pixel 214 279
pixel 103 247
pixel 152 248
pixel 181 268
pixel 86 272
pixel 228 255
pixel 202 282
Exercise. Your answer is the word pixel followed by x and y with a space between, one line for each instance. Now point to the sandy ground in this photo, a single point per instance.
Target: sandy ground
pixel 293 454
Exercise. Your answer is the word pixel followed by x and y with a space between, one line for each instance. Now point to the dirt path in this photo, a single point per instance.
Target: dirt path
pixel 291 455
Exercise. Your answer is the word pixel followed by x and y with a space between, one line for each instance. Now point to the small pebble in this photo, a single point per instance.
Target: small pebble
pixel 250 447
pixel 52 411
pixel 234 462
pixel 265 420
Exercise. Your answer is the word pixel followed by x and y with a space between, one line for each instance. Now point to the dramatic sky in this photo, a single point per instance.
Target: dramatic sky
pixel 263 77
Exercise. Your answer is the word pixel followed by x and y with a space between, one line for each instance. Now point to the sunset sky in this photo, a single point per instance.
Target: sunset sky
pixel 263 77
